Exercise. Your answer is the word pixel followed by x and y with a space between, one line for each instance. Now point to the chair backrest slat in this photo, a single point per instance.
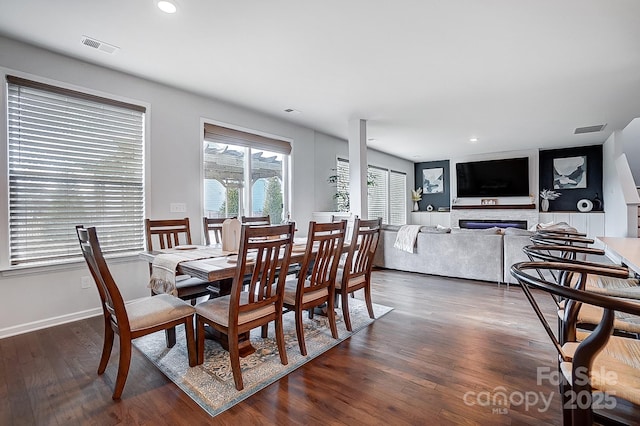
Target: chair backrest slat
pixel 213 226
pixel 327 241
pixel 264 251
pixel 364 242
pixel 255 220
pixel 168 233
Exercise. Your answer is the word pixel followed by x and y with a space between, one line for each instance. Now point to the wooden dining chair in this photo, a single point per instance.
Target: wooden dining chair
pixel 263 252
pixel 316 287
pixel 132 319
pixel 589 316
pixel 355 273
pixel 169 233
pixel 166 234
pixel 213 226
pixel 587 362
pixel 255 220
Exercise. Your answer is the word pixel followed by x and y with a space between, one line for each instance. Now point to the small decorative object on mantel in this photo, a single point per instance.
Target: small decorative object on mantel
pixel 429 208
pixel 489 201
pixel 597 203
pixel 416 195
pixel 546 195
pixel 585 205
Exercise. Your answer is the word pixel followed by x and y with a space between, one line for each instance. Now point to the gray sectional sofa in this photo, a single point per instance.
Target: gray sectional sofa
pixel 479 254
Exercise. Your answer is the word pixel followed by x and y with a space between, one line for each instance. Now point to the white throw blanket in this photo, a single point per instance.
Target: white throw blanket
pixel 163 271
pixel 406 238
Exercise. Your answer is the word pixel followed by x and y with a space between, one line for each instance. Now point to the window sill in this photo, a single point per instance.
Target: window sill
pixel 61 266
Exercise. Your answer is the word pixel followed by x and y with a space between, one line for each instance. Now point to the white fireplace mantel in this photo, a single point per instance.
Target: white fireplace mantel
pixel 530 215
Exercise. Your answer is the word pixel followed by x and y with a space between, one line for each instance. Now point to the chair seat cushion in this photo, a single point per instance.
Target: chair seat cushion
pixel 352 281
pixel 615 370
pixel 290 288
pixel 590 314
pixel 217 310
pixel 154 310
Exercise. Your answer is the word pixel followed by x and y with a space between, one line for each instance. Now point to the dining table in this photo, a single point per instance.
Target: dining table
pixel 627 250
pixel 218 267
pixel 215 264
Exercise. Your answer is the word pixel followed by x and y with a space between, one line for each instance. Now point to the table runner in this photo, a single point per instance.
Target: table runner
pixel 163 271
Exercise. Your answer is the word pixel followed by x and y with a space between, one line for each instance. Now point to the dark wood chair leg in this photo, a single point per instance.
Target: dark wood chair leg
pixel 367 299
pixel 170 336
pixel 123 366
pixel 344 297
pixel 106 346
pixel 199 340
pixel 280 341
pixel 265 331
pixel 300 332
pixel 331 314
pixel 191 341
pixel 234 354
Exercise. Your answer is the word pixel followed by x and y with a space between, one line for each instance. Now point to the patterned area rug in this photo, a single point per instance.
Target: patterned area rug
pixel 211 384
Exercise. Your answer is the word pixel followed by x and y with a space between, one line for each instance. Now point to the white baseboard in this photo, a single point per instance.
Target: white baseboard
pixel 49 322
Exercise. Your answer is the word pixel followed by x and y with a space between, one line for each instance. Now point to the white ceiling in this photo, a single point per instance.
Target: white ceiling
pixel 426 74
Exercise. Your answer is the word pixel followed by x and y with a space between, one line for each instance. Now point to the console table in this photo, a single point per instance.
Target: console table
pixel 591 223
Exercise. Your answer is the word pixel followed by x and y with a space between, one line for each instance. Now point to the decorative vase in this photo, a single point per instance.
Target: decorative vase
pixel 415 206
pixel 544 205
pixel 597 203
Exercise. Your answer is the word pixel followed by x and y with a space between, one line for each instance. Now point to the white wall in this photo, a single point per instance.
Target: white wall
pixel 41 297
pixel 328 148
pixel 615 218
pixel 631 147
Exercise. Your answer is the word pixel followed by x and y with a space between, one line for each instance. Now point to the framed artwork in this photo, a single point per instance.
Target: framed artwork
pixel 570 172
pixel 433 180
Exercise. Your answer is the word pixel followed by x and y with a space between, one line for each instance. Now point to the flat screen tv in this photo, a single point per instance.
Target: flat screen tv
pixel 495 178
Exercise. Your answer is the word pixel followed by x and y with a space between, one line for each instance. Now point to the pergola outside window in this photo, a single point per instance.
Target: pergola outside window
pixel 244 174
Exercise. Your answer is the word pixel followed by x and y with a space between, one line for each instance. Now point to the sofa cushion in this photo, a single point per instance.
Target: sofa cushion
pixel 435 229
pixel 394 228
pixel 491 231
pixel 561 226
pixel 517 231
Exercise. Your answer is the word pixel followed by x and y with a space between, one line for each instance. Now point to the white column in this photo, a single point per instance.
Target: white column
pixel 358 199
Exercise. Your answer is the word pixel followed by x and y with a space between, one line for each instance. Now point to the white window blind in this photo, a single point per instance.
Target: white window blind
pixel 398 198
pixel 378 194
pixel 73 159
pixel 342 185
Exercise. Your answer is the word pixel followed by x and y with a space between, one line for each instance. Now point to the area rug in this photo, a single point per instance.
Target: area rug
pixel 211 384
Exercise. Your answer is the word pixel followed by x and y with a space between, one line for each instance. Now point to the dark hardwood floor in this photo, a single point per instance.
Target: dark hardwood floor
pixel 445 338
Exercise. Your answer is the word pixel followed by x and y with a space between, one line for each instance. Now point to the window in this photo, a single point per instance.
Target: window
pixel 342 185
pixel 378 194
pixel 387 192
pixel 397 197
pixel 244 174
pixel 74 158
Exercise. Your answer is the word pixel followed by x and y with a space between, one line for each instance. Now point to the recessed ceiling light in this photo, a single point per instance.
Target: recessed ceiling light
pixel 167 6
pixel 473 139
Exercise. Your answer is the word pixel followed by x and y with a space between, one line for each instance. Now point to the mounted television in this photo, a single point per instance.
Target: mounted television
pixel 495 178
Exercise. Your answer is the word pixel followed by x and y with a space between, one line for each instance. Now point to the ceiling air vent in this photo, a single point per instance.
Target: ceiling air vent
pixel 100 45
pixel 589 129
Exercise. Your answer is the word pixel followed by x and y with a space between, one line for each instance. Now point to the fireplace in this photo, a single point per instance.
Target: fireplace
pixel 490 223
